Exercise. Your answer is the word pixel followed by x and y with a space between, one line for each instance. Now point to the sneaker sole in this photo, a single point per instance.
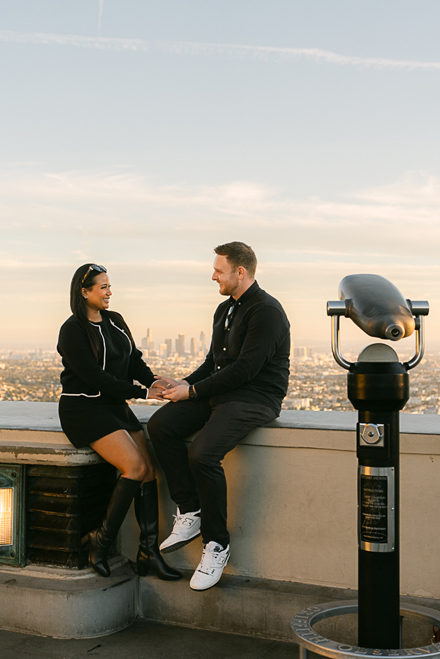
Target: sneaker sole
pixel 178 545
pixel 202 590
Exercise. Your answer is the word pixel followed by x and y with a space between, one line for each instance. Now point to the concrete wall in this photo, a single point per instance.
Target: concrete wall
pixel 291 491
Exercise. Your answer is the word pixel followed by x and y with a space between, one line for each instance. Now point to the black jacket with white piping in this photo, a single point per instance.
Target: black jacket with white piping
pixel 110 378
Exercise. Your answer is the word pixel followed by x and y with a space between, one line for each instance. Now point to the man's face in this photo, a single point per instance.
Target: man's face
pixel 225 275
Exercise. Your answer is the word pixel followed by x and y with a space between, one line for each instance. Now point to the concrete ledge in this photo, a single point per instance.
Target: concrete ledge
pixel 259 607
pixel 24 415
pixel 18 451
pixel 32 431
pixel 67 604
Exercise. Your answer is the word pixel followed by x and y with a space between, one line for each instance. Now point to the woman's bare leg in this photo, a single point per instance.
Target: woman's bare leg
pixel 139 438
pixel 123 452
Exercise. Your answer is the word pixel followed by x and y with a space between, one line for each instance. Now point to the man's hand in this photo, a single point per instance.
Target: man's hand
pixel 179 392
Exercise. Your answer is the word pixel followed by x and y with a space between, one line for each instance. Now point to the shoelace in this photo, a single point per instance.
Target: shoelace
pixel 178 520
pixel 202 567
pixel 209 560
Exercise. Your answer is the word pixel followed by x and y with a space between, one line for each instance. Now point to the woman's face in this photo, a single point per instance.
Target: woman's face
pixel 98 296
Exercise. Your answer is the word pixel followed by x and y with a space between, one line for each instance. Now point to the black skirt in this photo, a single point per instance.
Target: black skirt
pixel 85 420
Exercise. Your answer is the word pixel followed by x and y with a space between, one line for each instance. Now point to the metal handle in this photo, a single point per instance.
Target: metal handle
pixel 336 309
pixel 339 308
pixel 420 344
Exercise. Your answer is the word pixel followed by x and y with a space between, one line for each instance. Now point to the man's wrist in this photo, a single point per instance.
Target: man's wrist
pixel 192 394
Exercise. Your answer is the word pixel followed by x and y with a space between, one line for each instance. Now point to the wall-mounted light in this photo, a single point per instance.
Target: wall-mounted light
pixel 6 516
pixel 11 515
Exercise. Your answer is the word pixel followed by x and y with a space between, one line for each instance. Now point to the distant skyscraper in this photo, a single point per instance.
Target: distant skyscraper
pixel 150 339
pixel 147 341
pixel 169 347
pixel 193 348
pixel 202 343
pixel 302 352
pixel 180 345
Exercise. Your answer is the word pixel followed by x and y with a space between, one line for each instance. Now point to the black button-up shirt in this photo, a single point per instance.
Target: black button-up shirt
pixel 249 361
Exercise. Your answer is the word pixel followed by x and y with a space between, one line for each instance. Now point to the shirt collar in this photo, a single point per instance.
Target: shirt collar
pixel 250 292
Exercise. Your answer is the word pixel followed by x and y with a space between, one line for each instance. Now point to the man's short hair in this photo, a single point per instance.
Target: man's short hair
pixel 239 254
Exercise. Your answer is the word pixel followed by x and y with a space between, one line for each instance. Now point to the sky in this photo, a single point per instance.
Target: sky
pixel 140 134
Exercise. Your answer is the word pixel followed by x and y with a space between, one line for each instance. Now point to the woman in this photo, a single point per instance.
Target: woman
pixel 100 363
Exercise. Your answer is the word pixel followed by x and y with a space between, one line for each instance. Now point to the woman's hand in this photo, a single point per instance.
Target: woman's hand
pixel 156 390
pixel 179 392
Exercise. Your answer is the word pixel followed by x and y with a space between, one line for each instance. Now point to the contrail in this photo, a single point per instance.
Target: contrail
pixel 101 9
pixel 40 38
pixel 273 54
pixel 231 51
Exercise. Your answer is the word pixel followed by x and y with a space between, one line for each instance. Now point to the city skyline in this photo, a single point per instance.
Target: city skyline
pixel 140 135
pixel 316 382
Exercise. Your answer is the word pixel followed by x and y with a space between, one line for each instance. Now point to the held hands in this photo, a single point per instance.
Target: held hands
pixel 168 389
pixel 166 383
pixel 179 392
pixel 157 389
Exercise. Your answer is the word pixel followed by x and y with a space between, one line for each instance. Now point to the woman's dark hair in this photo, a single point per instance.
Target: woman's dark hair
pixel 85 277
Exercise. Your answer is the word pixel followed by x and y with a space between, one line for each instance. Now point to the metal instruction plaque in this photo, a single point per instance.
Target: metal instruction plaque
pixel 376 508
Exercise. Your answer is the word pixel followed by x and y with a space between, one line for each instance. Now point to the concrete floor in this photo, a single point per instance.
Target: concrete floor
pixel 147 640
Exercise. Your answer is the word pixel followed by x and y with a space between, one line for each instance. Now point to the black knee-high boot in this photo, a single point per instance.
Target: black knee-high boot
pixel 101 539
pixel 149 557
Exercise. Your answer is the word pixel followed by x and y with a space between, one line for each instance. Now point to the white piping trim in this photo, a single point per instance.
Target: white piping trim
pixel 123 332
pixel 103 365
pixel 103 341
pixel 86 395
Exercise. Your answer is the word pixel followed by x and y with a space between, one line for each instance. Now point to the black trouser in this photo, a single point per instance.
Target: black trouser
pixel 195 476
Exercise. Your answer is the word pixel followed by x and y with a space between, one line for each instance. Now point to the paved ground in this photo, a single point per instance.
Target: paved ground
pixel 147 640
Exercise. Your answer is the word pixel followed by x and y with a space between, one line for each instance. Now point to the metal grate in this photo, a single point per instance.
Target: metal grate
pixel 62 505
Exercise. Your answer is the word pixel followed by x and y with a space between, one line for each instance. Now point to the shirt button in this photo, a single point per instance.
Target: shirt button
pixel 224 348
pixel 218 367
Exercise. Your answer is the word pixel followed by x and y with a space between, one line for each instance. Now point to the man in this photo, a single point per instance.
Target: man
pixel 239 387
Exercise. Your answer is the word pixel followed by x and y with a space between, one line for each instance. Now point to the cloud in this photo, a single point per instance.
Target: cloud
pixel 413 190
pixel 9 263
pixel 230 51
pixel 80 255
pixel 396 222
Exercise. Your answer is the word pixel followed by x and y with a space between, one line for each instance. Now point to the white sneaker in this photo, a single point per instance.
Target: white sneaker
pixel 186 528
pixel 211 566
